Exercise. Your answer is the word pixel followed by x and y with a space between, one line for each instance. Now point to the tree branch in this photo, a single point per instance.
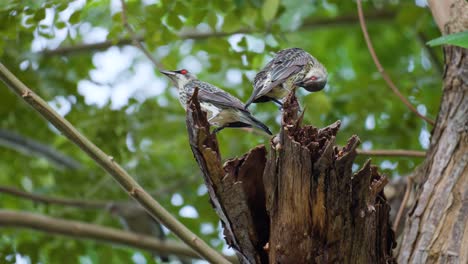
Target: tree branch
pixel 392 153
pixel 385 76
pixel 30 147
pixel 77 229
pixel 345 20
pixel 54 200
pixel 85 47
pixel 108 164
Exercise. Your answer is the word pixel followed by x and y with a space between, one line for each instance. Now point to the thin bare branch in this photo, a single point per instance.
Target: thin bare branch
pixel 86 47
pixel 77 229
pixel 385 76
pixel 113 168
pixel 135 39
pixel 80 203
pixel 347 20
pixel 30 147
pixel 392 153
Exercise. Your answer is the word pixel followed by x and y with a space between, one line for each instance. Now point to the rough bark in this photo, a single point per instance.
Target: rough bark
pixel 436 230
pixel 300 203
pixel 236 191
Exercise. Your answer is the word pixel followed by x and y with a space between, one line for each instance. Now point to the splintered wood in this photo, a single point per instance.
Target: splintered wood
pixel 300 202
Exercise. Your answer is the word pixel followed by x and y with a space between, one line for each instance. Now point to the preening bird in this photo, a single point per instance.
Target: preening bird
pixel 134 218
pixel 223 109
pixel 290 68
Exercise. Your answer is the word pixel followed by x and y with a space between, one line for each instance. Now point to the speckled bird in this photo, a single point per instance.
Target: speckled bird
pixel 290 68
pixel 223 109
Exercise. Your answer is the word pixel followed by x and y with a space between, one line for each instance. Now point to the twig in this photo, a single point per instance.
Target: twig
pixel 65 50
pixel 195 35
pixel 54 200
pixel 409 184
pixel 385 76
pixel 77 229
pixel 392 152
pixel 107 163
pixel 31 147
pixel 135 39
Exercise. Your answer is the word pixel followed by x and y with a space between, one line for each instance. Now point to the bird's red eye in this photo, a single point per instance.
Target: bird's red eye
pixel 313 78
pixel 183 71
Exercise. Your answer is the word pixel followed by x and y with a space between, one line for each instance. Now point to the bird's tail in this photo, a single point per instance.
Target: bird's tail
pixel 256 123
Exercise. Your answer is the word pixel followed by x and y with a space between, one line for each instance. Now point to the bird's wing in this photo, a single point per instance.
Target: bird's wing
pixel 285 64
pixel 214 95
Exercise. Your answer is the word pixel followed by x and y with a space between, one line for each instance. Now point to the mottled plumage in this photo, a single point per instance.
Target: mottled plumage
pixel 223 109
pixel 290 68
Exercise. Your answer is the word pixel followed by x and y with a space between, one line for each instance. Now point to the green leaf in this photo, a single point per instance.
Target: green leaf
pixel 39 15
pixel 458 39
pixel 174 21
pixel 269 9
pixel 231 23
pixel 256 3
pixel 75 18
pixel 60 24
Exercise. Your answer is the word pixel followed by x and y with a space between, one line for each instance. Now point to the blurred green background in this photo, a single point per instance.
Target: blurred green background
pixel 114 95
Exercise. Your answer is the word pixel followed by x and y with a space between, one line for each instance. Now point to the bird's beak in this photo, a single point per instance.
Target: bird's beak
pixel 168 73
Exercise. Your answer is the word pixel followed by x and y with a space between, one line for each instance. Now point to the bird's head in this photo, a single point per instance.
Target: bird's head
pixel 180 77
pixel 315 79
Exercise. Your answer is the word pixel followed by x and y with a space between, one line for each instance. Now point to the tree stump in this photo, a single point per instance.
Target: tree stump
pixel 298 203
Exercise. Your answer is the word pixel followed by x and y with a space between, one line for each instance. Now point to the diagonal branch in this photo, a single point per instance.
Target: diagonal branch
pixel 385 76
pixel 135 39
pixel 77 229
pixel 107 163
pixel 80 203
pixel 29 147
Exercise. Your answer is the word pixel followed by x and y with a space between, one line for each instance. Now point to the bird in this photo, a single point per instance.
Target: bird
pixel 134 218
pixel 223 109
pixel 290 68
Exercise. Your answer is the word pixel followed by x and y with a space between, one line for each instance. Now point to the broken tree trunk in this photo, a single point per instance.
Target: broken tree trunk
pixel 298 203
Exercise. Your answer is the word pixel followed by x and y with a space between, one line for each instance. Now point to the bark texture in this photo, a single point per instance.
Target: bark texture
pixel 436 230
pixel 298 203
pixel 236 190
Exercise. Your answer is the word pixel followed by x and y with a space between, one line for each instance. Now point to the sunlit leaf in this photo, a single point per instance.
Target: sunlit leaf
pixel 269 9
pixel 456 39
pixel 75 17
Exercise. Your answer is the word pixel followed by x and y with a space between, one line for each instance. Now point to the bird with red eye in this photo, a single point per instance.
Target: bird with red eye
pixel 289 69
pixel 222 109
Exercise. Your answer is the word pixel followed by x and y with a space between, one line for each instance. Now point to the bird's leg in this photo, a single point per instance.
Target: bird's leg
pixel 277 101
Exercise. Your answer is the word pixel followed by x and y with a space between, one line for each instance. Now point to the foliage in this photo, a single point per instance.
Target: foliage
pixel 457 39
pixel 131 111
